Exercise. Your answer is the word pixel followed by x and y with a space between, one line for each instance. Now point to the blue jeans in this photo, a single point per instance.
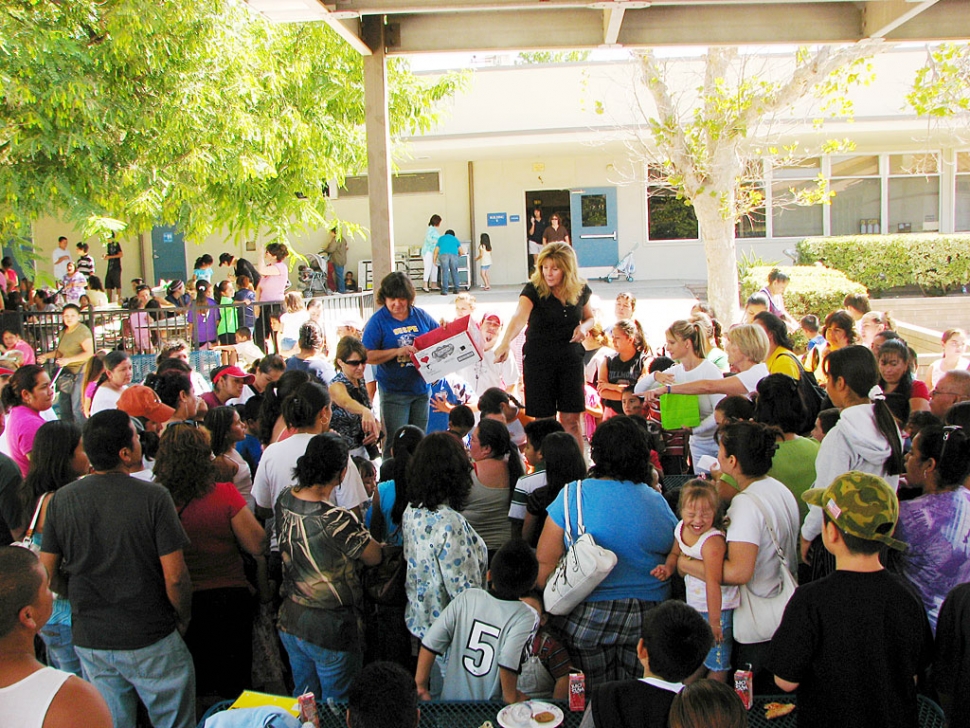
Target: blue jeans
pixel 449 270
pixel 60 648
pixel 338 274
pixel 161 674
pixel 398 410
pixel 325 673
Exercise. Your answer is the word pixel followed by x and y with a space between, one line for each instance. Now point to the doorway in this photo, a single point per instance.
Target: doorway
pixel 168 254
pixel 550 202
pixel 589 215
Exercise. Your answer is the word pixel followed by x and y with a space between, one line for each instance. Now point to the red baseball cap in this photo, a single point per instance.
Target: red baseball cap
pixel 231 371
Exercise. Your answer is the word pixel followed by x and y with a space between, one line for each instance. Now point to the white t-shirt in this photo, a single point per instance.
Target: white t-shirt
pixel 480 633
pixel 105 398
pixel 486 373
pixel 747 525
pixel 60 269
pixel 752 376
pixel 275 474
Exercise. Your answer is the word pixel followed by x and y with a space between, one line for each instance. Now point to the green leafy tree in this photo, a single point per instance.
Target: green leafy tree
pixel 709 143
pixel 199 113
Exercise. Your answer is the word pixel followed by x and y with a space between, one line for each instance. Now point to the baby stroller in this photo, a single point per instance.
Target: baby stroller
pixel 624 267
pixel 314 276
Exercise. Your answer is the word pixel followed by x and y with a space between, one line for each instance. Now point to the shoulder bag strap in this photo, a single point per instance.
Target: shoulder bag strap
pixel 569 531
pixel 771 531
pixel 798 362
pixel 579 507
pixel 33 521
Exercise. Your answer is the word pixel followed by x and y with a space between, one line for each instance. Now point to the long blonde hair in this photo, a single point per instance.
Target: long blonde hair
pixel 564 257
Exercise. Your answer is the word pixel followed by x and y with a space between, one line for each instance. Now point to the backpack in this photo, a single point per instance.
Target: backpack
pixel 811 394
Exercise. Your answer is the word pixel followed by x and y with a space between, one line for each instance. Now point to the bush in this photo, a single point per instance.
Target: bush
pixel 934 262
pixel 812 288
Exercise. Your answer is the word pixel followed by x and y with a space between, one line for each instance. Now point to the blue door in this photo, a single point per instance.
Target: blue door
pixel 593 226
pixel 168 252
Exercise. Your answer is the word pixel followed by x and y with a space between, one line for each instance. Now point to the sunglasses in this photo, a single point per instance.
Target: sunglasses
pixel 355 362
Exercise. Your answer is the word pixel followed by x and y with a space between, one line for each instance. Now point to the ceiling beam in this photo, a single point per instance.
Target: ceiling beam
pixel 612 21
pixel 882 17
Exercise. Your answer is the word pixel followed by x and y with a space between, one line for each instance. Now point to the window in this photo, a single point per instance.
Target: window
pixel 401 184
pixel 856 208
pixel 914 193
pixel 961 201
pixel 789 217
pixel 670 218
pixel 594 211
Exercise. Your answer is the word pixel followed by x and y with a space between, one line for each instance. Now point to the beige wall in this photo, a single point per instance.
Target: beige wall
pixel 48 229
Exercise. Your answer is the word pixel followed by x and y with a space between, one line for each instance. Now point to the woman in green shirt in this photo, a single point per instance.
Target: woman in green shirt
pixel 75 346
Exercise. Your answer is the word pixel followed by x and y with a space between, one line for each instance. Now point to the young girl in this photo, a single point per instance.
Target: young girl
pixel 138 320
pixel 229 317
pixel 485 259
pixel 204 317
pixel 203 268
pixel 296 315
pixel 73 284
pixel 700 535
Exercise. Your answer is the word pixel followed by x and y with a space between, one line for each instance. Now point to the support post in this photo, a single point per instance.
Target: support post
pixel 378 149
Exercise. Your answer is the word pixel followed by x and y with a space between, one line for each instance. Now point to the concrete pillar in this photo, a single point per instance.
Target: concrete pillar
pixel 378 149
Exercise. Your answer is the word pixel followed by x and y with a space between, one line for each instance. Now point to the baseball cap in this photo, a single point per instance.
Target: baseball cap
pixel 492 317
pixel 352 322
pixel 231 371
pixel 861 505
pixel 175 285
pixel 141 401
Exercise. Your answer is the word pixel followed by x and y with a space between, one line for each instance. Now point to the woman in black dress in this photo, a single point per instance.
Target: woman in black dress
pixel 555 304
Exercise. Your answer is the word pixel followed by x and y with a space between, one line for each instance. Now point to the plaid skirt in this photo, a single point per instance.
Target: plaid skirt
pixel 602 638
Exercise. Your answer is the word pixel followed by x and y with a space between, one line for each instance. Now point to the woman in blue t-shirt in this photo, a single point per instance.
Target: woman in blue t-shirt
pixel 602 632
pixel 389 338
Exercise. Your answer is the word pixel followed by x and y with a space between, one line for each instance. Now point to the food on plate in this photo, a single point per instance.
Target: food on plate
pixel 544 717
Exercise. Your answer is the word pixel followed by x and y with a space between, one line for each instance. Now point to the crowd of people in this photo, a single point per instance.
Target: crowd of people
pixel 303 520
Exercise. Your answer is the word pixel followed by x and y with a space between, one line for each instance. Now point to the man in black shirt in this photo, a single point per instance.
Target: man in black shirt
pixel 242 267
pixel 852 643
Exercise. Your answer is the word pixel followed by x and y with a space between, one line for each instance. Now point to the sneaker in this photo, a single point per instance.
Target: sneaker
pixel 444 293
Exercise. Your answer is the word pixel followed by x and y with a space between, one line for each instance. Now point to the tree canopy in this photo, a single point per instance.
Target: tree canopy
pixel 942 86
pixel 195 113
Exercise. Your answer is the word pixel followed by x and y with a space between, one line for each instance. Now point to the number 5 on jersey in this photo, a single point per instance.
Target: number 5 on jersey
pixel 476 643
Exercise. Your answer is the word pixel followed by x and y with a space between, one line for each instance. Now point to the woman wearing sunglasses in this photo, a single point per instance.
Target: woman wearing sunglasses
pixel 352 415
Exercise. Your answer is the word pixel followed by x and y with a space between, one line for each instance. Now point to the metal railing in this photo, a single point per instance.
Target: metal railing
pixel 143 331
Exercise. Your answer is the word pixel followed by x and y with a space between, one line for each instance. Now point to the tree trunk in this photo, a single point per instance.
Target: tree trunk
pixel 717 234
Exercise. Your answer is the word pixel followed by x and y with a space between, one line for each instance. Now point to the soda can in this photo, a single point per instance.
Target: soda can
pixel 577 692
pixel 744 686
pixel 308 710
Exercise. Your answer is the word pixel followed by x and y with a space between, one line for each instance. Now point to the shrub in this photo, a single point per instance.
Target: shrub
pixel 812 288
pixel 934 262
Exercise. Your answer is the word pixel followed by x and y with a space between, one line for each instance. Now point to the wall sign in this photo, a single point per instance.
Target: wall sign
pixel 497 219
pixel 513 218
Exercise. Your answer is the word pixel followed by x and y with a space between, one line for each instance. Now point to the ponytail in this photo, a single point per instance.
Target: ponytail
pixel 886 424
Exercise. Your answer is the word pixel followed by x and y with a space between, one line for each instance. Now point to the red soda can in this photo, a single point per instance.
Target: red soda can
pixel 577 691
pixel 308 709
pixel 744 686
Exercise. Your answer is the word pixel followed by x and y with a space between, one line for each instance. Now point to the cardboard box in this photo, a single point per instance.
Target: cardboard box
pixel 448 349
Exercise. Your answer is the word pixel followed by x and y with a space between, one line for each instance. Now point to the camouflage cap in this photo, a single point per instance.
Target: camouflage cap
pixel 861 505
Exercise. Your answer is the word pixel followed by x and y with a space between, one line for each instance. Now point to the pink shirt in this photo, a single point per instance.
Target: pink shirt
pixel 22 424
pixel 28 351
pixel 271 288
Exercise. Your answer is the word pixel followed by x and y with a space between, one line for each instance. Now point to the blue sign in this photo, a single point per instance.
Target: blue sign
pixel 168 237
pixel 513 218
pixel 497 219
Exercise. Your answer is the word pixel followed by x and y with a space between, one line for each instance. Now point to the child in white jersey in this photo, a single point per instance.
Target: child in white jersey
pixel 700 535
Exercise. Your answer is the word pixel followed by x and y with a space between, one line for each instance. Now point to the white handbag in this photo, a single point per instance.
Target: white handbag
pixel 757 618
pixel 27 542
pixel 581 568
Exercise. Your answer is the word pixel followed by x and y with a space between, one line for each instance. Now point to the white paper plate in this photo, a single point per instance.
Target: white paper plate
pixel 506 718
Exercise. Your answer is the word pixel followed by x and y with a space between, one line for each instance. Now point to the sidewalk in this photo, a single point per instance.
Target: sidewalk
pixel 659 303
